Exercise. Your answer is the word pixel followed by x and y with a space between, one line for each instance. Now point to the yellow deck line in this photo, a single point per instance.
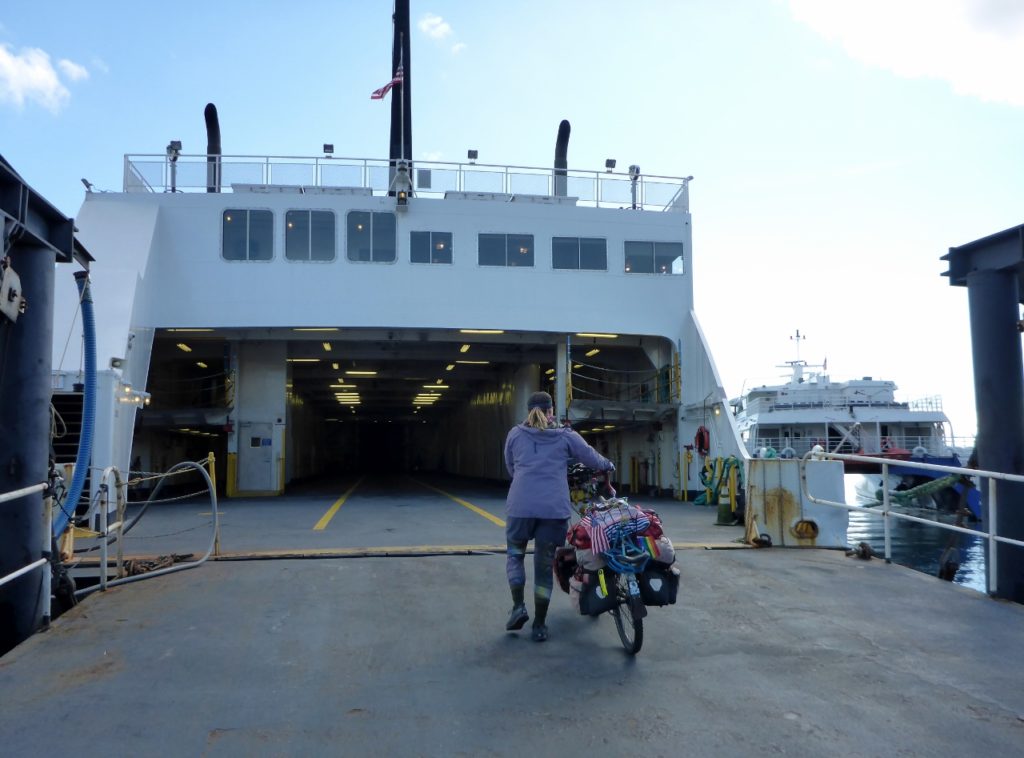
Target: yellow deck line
pixel 326 518
pixel 465 504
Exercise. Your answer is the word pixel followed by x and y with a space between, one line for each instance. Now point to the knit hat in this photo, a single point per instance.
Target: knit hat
pixel 540 400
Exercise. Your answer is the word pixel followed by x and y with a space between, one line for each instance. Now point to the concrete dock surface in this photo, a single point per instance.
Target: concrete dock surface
pixel 779 651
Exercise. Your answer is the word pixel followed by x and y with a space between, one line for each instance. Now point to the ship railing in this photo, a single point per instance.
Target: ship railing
pixel 44 586
pixel 799 447
pixel 438 179
pixel 887 513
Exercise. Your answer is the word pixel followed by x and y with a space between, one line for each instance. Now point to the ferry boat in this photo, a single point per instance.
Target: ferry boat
pixel 859 416
pixel 297 315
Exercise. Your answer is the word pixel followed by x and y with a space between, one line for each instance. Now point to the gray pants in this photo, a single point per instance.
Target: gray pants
pixel 547 535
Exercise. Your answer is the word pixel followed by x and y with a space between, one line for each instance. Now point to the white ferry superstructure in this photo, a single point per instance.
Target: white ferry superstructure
pixel 299 316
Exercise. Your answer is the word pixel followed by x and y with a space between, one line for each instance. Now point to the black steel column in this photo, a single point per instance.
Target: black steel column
pixel 25 389
pixel 993 297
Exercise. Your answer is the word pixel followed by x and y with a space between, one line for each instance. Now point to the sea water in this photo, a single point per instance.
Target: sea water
pixel 921 547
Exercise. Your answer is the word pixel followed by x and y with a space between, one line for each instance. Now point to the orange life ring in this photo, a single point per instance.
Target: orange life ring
pixel 702 440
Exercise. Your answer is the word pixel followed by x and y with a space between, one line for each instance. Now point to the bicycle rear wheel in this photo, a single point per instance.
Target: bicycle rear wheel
pixel 629 624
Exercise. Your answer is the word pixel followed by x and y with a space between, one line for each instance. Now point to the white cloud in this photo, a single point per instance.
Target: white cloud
pixel 432 156
pixel 458 47
pixel 977 46
pixel 30 76
pixel 100 65
pixel 72 70
pixel 435 26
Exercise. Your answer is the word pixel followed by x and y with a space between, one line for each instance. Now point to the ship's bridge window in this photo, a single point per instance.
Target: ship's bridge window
pixel 372 237
pixel 586 253
pixel 430 247
pixel 247 235
pixel 506 250
pixel 309 236
pixel 654 257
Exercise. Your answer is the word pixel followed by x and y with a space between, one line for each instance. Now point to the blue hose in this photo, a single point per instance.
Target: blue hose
pixel 63 515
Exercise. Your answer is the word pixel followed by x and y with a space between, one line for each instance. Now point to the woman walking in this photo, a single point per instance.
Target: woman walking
pixel 537 455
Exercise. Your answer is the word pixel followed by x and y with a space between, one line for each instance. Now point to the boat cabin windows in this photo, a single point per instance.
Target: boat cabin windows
pixel 505 250
pixel 586 253
pixel 247 235
pixel 372 237
pixel 654 257
pixel 430 247
pixel 309 236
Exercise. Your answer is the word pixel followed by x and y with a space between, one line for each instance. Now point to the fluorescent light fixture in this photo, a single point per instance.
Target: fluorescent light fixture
pixel 303 360
pixel 335 366
pixel 183 346
pixel 190 330
pixel 341 386
pixel 327 346
pixel 435 386
pixel 449 367
pixel 360 373
pixel 592 353
pixel 482 331
pixel 550 371
pixel 201 364
pixel 464 349
pixel 577 365
pixel 473 363
pixel 316 329
pixel 598 335
pixel 608 426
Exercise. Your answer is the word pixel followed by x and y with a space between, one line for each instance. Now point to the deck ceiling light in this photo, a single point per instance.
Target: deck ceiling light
pixel 360 373
pixel 550 371
pixel 592 353
pixel 182 346
pixel 327 346
pixel 482 331
pixel 464 349
pixel 473 363
pixel 190 330
pixel 449 367
pixel 435 386
pixel 303 360
pixel 315 329
pixel 341 386
pixel 201 364
pixel 597 335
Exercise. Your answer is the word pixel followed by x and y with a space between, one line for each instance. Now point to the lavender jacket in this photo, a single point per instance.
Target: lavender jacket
pixel 538 460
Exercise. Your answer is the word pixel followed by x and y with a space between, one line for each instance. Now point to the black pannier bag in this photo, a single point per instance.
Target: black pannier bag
pixel 658 584
pixel 596 597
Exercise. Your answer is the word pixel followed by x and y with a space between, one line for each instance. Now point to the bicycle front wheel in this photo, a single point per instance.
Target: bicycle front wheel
pixel 629 624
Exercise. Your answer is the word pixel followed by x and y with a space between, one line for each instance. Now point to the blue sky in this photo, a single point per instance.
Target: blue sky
pixel 839 147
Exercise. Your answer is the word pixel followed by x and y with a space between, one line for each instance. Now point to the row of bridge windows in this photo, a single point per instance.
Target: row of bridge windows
pixel 372 237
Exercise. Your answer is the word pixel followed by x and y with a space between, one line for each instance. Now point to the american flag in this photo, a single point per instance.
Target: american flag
pixel 378 94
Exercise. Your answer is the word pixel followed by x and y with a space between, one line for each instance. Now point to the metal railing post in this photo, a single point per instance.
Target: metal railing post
pixel 885 513
pixel 990 563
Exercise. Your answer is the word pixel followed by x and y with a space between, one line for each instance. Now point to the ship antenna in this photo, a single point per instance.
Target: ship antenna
pixel 798 338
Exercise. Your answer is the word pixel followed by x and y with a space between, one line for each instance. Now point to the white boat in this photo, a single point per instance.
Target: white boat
pixel 302 315
pixel 856 416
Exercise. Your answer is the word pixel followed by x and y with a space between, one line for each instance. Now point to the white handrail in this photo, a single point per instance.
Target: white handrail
pixel 886 513
pixel 15 494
